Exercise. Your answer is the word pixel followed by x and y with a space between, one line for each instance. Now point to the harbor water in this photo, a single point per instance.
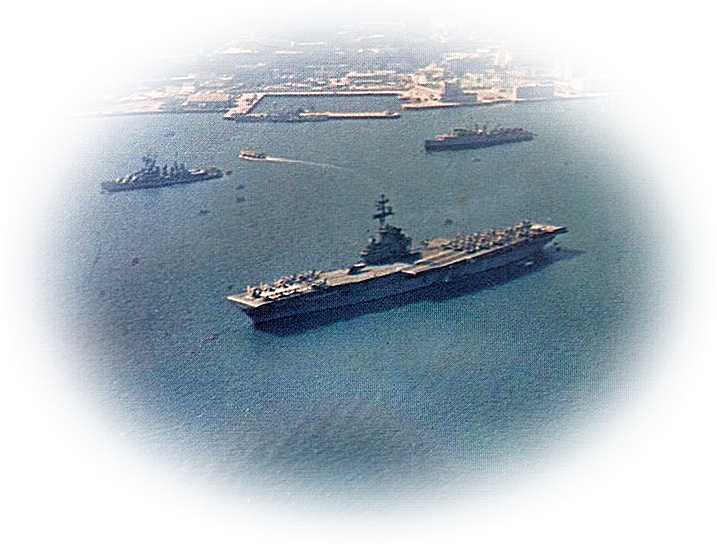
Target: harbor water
pixel 481 382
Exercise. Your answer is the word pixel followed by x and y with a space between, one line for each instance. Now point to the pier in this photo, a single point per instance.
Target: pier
pixel 351 115
pixel 244 105
pixel 247 102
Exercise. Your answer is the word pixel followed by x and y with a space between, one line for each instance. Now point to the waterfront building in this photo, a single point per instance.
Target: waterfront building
pixel 532 92
pixel 696 51
pixel 463 63
pixel 633 32
pixel 451 92
pixel 372 79
pixel 209 100
pixel 646 61
pixel 431 74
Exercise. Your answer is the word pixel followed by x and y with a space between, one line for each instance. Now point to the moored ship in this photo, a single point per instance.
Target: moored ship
pixel 390 266
pixel 287 116
pixel 460 138
pixel 152 176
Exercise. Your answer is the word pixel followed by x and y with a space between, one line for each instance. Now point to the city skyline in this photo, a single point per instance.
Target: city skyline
pixel 294 46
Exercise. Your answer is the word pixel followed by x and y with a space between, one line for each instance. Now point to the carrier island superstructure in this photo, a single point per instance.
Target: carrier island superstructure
pixel 389 265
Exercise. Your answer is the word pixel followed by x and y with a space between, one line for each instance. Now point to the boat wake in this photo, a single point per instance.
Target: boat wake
pixel 314 164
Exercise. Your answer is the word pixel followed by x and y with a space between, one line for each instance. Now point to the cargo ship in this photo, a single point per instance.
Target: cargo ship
pixel 152 176
pixel 460 138
pixel 389 266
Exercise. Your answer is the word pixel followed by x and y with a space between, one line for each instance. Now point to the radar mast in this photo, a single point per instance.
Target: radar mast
pixel 383 210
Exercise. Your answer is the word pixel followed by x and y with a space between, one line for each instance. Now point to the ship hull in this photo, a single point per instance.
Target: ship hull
pixel 112 186
pixel 392 284
pixel 435 145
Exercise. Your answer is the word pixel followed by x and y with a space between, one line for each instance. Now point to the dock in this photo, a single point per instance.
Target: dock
pixel 351 115
pixel 244 105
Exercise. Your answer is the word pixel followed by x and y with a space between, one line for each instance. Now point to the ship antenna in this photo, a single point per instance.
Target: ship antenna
pixel 383 211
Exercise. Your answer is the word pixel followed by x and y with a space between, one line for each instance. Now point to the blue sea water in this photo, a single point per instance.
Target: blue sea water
pixel 425 391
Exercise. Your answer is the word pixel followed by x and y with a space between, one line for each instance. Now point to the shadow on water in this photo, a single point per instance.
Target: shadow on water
pixel 295 325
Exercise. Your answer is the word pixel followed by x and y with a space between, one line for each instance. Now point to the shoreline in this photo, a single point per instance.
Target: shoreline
pixel 135 109
pixel 155 107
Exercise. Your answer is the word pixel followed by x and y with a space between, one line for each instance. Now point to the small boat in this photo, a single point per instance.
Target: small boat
pixel 252 155
pixel 645 526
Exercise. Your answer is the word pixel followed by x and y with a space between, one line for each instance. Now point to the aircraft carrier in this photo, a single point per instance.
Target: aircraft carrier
pixel 389 266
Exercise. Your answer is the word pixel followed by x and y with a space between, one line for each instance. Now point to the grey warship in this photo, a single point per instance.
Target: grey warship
pixel 389 266
pixel 460 138
pixel 152 176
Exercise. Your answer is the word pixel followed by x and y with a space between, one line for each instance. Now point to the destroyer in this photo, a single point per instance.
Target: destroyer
pixel 389 265
pixel 152 176
pixel 480 137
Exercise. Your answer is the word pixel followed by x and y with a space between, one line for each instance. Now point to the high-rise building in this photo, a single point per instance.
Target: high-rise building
pixel 662 30
pixel 696 51
pixel 633 32
pixel 646 62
